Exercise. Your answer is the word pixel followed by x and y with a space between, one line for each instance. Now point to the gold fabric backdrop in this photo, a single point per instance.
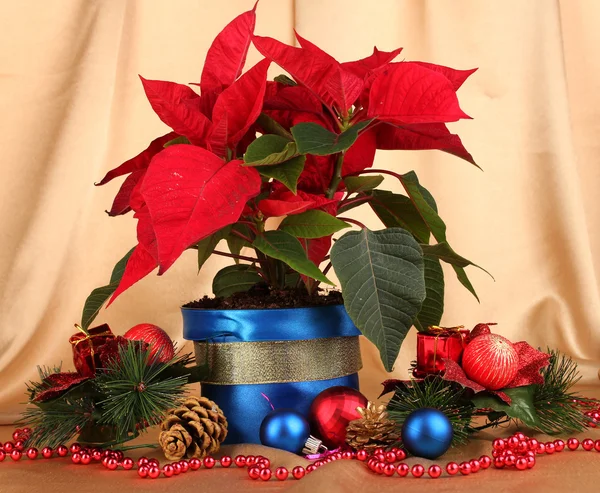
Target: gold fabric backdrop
pixel 72 107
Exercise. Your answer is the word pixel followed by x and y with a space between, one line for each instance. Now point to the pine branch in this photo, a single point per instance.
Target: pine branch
pixel 138 391
pixel 436 393
pixel 553 400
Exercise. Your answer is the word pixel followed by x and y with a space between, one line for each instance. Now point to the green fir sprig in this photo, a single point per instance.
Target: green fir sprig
pixel 554 400
pixel 137 394
pixel 434 392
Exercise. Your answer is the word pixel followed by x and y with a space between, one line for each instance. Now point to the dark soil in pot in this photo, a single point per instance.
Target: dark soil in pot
pixel 265 297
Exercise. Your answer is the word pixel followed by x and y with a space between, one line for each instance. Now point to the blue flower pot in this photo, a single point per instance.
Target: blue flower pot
pixel 284 357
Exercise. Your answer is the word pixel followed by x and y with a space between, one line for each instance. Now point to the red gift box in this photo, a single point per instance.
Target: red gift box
pixel 437 344
pixel 86 348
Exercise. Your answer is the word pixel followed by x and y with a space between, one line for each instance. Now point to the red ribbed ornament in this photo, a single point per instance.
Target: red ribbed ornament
pixel 332 410
pixel 491 360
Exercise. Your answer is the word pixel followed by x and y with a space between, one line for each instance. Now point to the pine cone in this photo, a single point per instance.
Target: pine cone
pixel 372 430
pixel 194 429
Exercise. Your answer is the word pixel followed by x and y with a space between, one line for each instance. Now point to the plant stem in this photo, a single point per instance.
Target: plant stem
pixel 241 235
pixel 144 445
pixel 349 202
pixel 353 221
pixel 384 171
pixel 239 257
pixel 337 176
pixel 492 423
pixel 327 268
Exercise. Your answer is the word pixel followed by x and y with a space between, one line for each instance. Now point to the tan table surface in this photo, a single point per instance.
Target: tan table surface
pixel 567 471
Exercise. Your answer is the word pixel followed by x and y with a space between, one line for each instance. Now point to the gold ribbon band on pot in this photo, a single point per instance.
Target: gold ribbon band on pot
pixel 235 363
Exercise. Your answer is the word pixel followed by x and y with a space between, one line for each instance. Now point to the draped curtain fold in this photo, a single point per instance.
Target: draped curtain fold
pixel 72 107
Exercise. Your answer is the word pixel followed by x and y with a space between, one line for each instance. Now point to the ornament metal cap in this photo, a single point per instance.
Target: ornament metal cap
pixel 313 446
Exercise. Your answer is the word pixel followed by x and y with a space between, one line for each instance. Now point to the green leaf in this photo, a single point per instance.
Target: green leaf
pixel 207 246
pixel 285 80
pixel 312 138
pixel 312 224
pixel 270 149
pixel 398 211
pixel 422 200
pixel 177 140
pixel 355 184
pixel 235 279
pixel 235 243
pixel 99 296
pixel 433 306
pixel 381 274
pixel 286 173
pixel 521 407
pixel 284 247
pixel 444 252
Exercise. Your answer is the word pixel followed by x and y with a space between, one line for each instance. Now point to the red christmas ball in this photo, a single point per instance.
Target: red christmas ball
pixel 332 410
pixel 159 341
pixel 491 360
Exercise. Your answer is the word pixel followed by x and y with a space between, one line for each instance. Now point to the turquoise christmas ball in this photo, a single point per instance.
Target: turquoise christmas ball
pixel 427 433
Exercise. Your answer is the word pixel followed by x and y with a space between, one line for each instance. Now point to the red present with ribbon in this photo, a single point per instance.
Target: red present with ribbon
pixel 437 344
pixel 86 348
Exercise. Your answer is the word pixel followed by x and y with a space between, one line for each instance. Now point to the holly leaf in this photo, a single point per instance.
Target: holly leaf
pixel 190 194
pixel 312 224
pixel 178 106
pixel 283 246
pixel 381 275
pixel 235 279
pixel 226 56
pixel 207 245
pixel 398 211
pixel 100 295
pixel 522 406
pixel 312 138
pixel 357 184
pixel 287 172
pixel 432 308
pixel 407 92
pixel 270 149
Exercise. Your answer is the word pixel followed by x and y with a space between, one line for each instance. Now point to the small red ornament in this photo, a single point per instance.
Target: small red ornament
pixel 17 454
pixel 195 464
pixel 265 474
pixel 298 472
pixel 417 470
pixel 254 472
pixel 225 461
pixel 332 410
pixel 168 471
pixel 159 341
pixel 434 471
pixel 184 465
pixel 452 468
pixel 46 452
pixel 2 455
pixel 32 453
pixel 143 471
pixel 63 451
pixel 281 473
pixel 209 462
pixel 491 360
pixel 127 463
pixel 153 472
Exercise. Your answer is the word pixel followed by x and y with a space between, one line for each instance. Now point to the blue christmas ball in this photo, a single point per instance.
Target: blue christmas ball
pixel 285 429
pixel 427 433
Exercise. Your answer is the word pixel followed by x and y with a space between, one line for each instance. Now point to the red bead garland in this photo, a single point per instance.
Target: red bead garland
pixel 518 452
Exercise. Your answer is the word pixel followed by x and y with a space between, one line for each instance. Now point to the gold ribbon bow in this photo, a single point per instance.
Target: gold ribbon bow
pixel 444 331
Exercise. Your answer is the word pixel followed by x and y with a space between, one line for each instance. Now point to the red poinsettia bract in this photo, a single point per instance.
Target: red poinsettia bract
pixel 192 182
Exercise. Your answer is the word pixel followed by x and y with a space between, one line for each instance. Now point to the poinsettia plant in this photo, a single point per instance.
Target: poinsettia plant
pixel 244 149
